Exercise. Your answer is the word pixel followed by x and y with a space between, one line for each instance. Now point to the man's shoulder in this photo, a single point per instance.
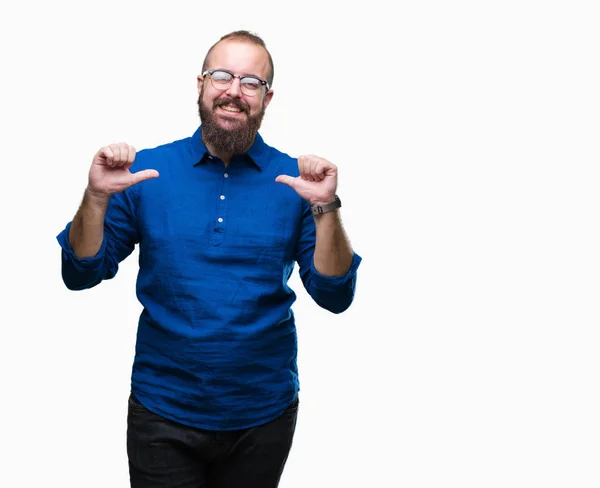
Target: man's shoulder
pixel 165 152
pixel 284 160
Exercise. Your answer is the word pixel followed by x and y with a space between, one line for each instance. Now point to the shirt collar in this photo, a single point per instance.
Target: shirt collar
pixel 256 153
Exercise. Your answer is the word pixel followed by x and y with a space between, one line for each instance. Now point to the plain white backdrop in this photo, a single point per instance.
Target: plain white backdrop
pixel 466 134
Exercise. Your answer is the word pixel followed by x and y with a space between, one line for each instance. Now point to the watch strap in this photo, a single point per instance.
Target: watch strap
pixel 321 209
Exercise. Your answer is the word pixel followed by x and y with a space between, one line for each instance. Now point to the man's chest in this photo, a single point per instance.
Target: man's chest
pixel 256 218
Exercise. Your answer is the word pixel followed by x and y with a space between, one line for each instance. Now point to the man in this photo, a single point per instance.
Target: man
pixel 220 219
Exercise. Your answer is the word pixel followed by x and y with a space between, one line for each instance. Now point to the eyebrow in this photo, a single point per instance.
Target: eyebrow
pixel 242 74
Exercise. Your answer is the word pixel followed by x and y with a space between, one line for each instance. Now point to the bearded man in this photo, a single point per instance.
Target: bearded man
pixel 220 219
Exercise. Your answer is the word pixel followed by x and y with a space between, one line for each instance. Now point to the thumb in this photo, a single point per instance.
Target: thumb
pixel 286 180
pixel 143 175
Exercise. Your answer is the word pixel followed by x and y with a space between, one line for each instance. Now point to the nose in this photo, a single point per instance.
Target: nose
pixel 235 89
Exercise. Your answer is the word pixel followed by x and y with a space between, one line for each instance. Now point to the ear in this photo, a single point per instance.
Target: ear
pixel 200 83
pixel 267 100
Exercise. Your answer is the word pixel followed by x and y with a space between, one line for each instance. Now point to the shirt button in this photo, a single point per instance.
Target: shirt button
pixel 220 219
pixel 226 175
pixel 222 197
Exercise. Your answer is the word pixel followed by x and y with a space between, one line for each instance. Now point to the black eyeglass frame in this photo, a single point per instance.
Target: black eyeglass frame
pixel 211 71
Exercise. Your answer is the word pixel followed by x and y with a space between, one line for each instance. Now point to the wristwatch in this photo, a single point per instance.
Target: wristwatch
pixel 321 209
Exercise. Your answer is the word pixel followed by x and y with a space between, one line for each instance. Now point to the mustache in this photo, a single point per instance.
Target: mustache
pixel 231 101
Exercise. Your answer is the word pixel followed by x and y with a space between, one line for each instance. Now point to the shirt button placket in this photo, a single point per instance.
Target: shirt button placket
pixel 222 197
pixel 222 209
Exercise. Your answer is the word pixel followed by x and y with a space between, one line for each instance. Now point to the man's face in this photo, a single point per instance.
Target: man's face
pixel 231 118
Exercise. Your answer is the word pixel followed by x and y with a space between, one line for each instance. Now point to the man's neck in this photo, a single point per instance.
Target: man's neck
pixel 226 157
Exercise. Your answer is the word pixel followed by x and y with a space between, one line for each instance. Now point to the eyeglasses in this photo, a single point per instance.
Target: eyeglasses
pixel 222 79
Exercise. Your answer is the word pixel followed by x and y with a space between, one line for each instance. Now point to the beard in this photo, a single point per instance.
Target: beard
pixel 238 137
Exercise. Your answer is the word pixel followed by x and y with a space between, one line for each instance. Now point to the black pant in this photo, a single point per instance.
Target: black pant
pixel 166 454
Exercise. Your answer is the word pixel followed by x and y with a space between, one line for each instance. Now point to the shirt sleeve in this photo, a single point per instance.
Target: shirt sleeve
pixel 333 293
pixel 120 237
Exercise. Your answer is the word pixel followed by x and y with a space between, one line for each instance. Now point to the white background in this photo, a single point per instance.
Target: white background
pixel 466 134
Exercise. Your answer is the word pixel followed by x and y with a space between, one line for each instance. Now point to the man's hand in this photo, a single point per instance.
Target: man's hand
pixel 317 182
pixel 110 173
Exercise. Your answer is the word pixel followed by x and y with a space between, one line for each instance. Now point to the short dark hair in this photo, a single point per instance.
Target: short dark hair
pixel 243 35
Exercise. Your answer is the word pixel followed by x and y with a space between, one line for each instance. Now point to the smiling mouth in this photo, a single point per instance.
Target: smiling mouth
pixel 231 109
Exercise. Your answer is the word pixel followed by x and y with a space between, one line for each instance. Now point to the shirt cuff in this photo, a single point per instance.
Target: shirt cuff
pixel 68 254
pixel 334 282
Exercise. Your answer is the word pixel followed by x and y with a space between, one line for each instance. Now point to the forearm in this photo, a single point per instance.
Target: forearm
pixel 333 252
pixel 87 229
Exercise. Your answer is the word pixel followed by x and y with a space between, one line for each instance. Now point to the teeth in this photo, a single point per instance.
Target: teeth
pixel 230 108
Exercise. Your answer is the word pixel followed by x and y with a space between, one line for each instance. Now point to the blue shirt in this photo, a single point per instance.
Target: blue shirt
pixel 216 344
